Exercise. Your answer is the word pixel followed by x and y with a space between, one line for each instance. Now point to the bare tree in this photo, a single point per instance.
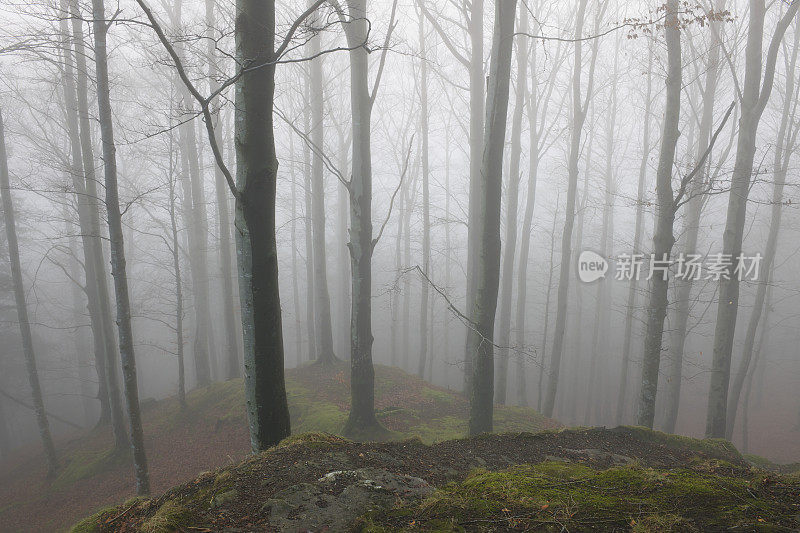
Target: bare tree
pixel 580 105
pixel 118 268
pixel 487 267
pixel 426 210
pixel 630 305
pixel 322 302
pixel 512 194
pixel 753 100
pixel 663 239
pixel 22 309
pixel 787 135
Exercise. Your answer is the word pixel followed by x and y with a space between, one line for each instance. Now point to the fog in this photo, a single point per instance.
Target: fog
pixel 424 223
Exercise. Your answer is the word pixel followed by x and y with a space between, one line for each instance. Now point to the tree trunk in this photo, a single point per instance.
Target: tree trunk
pixel 477 90
pixel 103 302
pixel 322 301
pixel 602 320
pixel 309 235
pixel 630 305
pixel 124 326
pixel 663 239
pixel 524 248
pixel 426 212
pixel 256 177
pixel 361 420
pixel 233 368
pixel 780 165
pixel 487 268
pixel 195 215
pixel 176 269
pixel 512 194
pixel 756 358
pixel 343 255
pixel 395 293
pixel 753 101
pixel 694 211
pixel 22 309
pixel 298 324
pixel 578 119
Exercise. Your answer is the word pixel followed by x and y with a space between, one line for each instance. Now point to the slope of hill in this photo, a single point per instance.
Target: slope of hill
pixel 211 433
pixel 558 480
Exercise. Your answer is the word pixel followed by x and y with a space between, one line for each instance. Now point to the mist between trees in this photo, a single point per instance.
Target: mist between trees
pixel 202 191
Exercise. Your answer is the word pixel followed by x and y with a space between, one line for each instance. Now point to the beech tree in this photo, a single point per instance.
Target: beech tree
pixel 22 309
pixel 753 99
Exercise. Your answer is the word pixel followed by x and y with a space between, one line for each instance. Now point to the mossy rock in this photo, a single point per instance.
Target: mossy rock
pixel 553 495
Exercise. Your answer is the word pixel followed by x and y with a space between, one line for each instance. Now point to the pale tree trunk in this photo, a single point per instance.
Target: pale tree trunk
pixel 547 304
pixel 395 293
pixel 233 367
pixel 256 177
pixel 411 198
pixel 753 101
pixel 195 216
pixel 602 319
pixel 535 134
pixel 426 212
pixel 343 259
pixel 22 310
pixel 663 239
pixel 322 301
pixel 447 257
pixel 309 240
pixel 487 267
pixel 630 306
pixel 298 324
pixel 756 358
pixel 176 268
pixel 579 289
pixel 103 300
pixel 118 271
pixel 512 194
pixel 83 208
pixel 691 231
pixel 78 292
pixel 477 95
pixel 780 165
pixel 579 106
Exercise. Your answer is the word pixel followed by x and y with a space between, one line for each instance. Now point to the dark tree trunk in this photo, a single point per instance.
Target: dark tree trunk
pixel 256 176
pixel 663 239
pixel 487 267
pixel 118 268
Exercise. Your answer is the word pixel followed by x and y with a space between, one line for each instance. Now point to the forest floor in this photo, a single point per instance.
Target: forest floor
pixel 623 479
pixel 212 433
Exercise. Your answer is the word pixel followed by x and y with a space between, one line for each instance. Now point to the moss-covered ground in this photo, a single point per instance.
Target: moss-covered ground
pixel 559 480
pixel 558 496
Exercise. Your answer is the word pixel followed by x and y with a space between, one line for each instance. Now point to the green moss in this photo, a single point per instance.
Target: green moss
pixel 82 465
pixel 577 497
pixel 91 524
pixel 171 516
